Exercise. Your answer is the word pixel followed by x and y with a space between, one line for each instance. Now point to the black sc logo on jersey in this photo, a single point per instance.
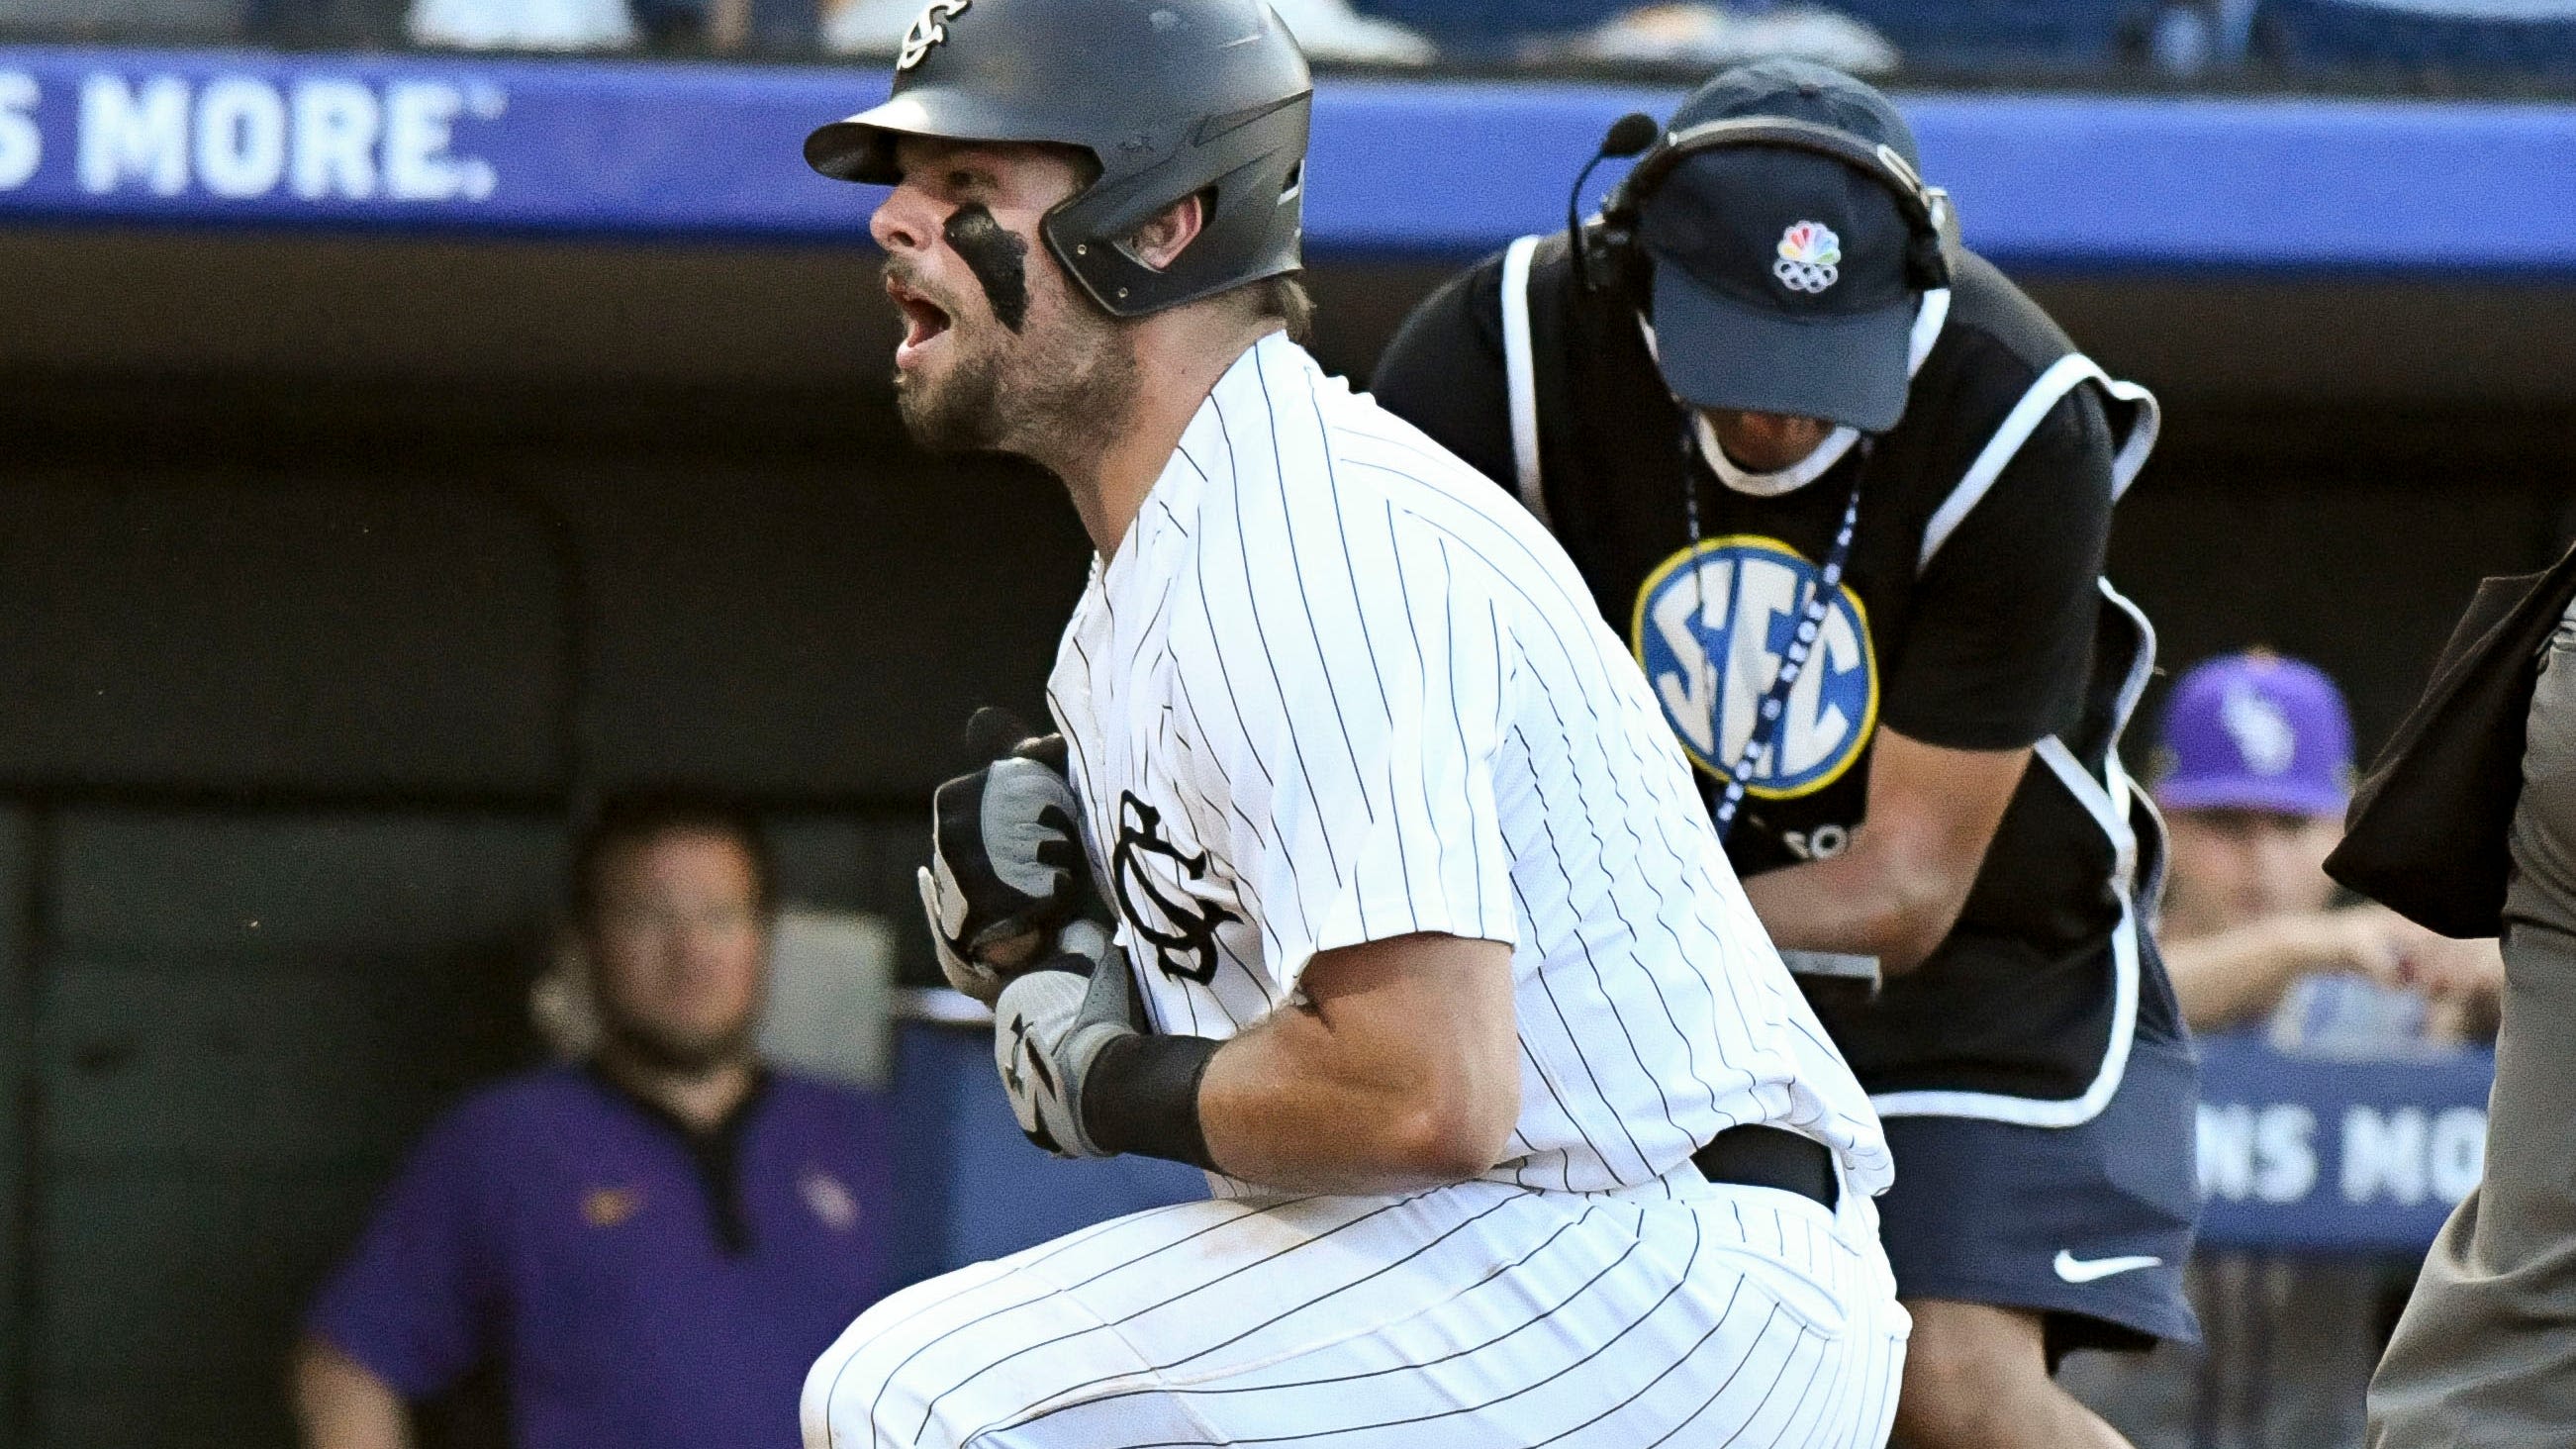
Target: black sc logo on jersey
pixel 1182 931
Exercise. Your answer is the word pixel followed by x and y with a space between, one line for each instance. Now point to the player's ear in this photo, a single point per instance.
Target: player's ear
pixel 1161 241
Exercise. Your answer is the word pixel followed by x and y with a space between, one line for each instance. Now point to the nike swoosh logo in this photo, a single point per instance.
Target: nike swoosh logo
pixel 2084 1270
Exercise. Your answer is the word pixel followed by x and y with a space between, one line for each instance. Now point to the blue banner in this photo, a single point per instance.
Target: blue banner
pixel 2296 1156
pixel 243 138
pixel 1425 169
pixel 973 1187
pixel 2309 1156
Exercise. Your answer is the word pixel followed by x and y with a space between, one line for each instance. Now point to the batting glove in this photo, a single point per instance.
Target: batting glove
pixel 1006 856
pixel 1049 1028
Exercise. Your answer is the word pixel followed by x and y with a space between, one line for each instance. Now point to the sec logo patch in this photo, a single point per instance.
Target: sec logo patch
pixel 1711 627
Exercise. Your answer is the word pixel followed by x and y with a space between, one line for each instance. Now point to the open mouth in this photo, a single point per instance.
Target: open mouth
pixel 925 322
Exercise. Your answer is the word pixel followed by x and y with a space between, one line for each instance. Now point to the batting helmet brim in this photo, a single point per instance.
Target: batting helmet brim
pixel 862 147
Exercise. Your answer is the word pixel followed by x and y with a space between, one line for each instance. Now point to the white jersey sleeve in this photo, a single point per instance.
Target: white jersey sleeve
pixel 1363 702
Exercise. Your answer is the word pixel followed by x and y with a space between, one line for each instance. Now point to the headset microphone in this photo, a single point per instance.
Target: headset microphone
pixel 1628 135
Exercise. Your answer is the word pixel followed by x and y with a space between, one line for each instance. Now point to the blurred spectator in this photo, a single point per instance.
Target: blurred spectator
pixel 720 26
pixel 2253 775
pixel 1704 36
pixel 726 27
pixel 1327 30
pixel 653 1245
pixel 2255 771
pixel 2501 37
pixel 522 24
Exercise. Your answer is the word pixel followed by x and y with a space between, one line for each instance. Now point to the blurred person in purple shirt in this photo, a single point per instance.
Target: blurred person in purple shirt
pixel 650 1246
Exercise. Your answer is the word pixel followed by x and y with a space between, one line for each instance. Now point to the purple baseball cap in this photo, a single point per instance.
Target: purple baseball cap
pixel 2255 731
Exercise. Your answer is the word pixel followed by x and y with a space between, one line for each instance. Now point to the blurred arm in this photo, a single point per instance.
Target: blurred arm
pixel 2238 975
pixel 342 1405
pixel 2234 976
pixel 1898 890
pixel 1400 1071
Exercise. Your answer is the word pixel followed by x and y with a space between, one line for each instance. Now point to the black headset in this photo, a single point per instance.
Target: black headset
pixel 1606 250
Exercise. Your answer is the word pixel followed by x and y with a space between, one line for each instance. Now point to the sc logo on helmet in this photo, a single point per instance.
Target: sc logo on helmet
pixel 928 29
pixel 1711 627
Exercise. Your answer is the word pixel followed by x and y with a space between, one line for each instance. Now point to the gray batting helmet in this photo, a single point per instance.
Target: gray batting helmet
pixel 1175 98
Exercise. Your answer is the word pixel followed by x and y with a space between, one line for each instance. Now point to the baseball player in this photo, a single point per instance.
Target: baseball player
pixel 1847 492
pixel 1519 1132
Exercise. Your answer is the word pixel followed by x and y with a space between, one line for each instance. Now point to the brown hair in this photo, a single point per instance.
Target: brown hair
pixel 644 816
pixel 1285 298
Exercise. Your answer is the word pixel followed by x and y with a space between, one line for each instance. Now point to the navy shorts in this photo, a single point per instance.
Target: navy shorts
pixel 2090 1225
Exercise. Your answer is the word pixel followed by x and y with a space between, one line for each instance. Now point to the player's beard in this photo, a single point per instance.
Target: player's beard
pixel 955 414
pixel 1060 388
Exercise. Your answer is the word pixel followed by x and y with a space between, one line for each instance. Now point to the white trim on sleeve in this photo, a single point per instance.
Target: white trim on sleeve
pixel 2112 802
pixel 1520 377
pixel 2062 377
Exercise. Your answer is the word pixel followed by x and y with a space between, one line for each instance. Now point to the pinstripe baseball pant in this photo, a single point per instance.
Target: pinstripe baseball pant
pixel 1680 1313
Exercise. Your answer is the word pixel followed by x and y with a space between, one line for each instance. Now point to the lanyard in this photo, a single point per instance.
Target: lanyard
pixel 1811 625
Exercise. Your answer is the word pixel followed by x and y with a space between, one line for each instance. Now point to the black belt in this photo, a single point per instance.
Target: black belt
pixel 1770 1157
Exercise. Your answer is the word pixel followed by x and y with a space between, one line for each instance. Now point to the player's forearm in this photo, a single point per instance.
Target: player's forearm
pixel 1271 1118
pixel 1859 903
pixel 340 1404
pixel 1404 1074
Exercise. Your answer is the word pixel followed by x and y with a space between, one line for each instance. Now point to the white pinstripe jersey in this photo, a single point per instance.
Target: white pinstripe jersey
pixel 1335 687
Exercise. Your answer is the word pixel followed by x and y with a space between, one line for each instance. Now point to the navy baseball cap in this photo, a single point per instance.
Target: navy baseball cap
pixel 1781 282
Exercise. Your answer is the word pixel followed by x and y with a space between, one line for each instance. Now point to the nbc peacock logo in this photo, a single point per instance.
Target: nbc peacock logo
pixel 1809 254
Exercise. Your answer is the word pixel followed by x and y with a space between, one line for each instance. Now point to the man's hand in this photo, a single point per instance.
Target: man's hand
pixel 2374 941
pixel 1051 1023
pixel 2466 982
pixel 2366 940
pixel 1006 864
pixel 2462 980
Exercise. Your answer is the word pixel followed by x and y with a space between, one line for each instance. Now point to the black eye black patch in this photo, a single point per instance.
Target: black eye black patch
pixel 998 258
